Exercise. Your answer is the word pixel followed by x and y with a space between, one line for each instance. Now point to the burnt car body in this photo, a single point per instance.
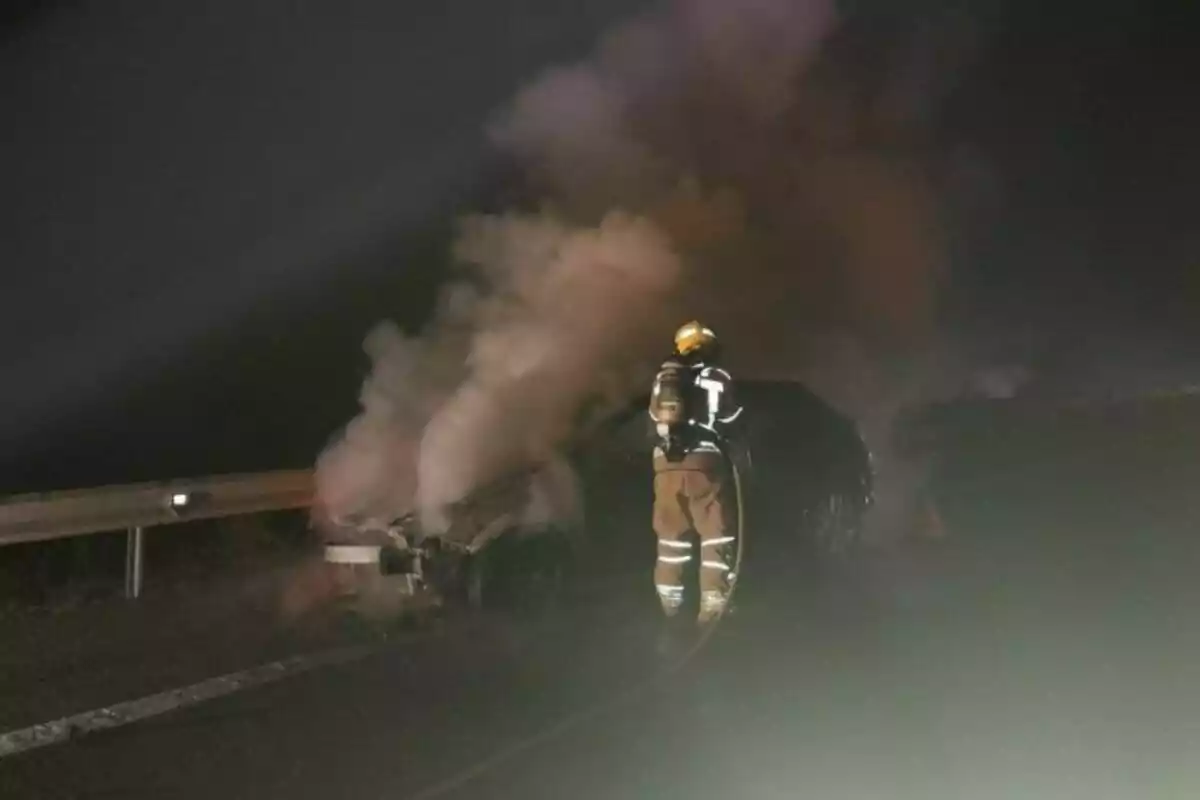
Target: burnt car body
pixel 807 483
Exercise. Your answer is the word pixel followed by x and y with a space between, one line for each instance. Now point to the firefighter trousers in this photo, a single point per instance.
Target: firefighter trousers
pixel 695 494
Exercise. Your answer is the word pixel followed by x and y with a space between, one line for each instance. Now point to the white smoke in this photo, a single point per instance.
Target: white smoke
pixel 711 160
pixel 563 302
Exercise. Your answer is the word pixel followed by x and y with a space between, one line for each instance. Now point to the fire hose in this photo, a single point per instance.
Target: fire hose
pixel 616 699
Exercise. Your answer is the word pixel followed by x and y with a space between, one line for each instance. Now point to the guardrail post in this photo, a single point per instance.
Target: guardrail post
pixel 135 546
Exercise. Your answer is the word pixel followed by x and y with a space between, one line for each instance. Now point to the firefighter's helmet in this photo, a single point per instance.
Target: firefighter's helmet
pixel 694 337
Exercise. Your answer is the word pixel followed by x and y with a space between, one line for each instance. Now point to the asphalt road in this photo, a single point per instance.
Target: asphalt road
pixel 1049 649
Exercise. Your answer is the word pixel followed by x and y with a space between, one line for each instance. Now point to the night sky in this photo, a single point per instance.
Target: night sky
pixel 207 206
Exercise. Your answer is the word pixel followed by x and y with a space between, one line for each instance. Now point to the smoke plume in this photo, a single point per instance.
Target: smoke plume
pixel 714 160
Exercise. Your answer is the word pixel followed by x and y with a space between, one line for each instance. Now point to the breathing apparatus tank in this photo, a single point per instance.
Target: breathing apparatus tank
pixel 671 408
pixel 671 401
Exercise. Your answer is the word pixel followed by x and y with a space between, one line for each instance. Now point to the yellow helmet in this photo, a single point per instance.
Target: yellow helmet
pixel 692 337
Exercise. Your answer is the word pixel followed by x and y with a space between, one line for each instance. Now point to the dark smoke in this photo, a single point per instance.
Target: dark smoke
pixel 726 161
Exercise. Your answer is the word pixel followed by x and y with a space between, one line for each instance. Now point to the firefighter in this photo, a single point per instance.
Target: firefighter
pixel 694 410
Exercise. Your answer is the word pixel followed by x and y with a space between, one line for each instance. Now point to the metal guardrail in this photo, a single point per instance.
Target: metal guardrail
pixel 135 507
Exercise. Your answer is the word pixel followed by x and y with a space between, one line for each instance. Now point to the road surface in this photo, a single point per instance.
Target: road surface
pixel 1048 649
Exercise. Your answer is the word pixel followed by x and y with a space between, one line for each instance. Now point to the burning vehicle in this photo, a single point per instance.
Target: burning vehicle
pixel 808 488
